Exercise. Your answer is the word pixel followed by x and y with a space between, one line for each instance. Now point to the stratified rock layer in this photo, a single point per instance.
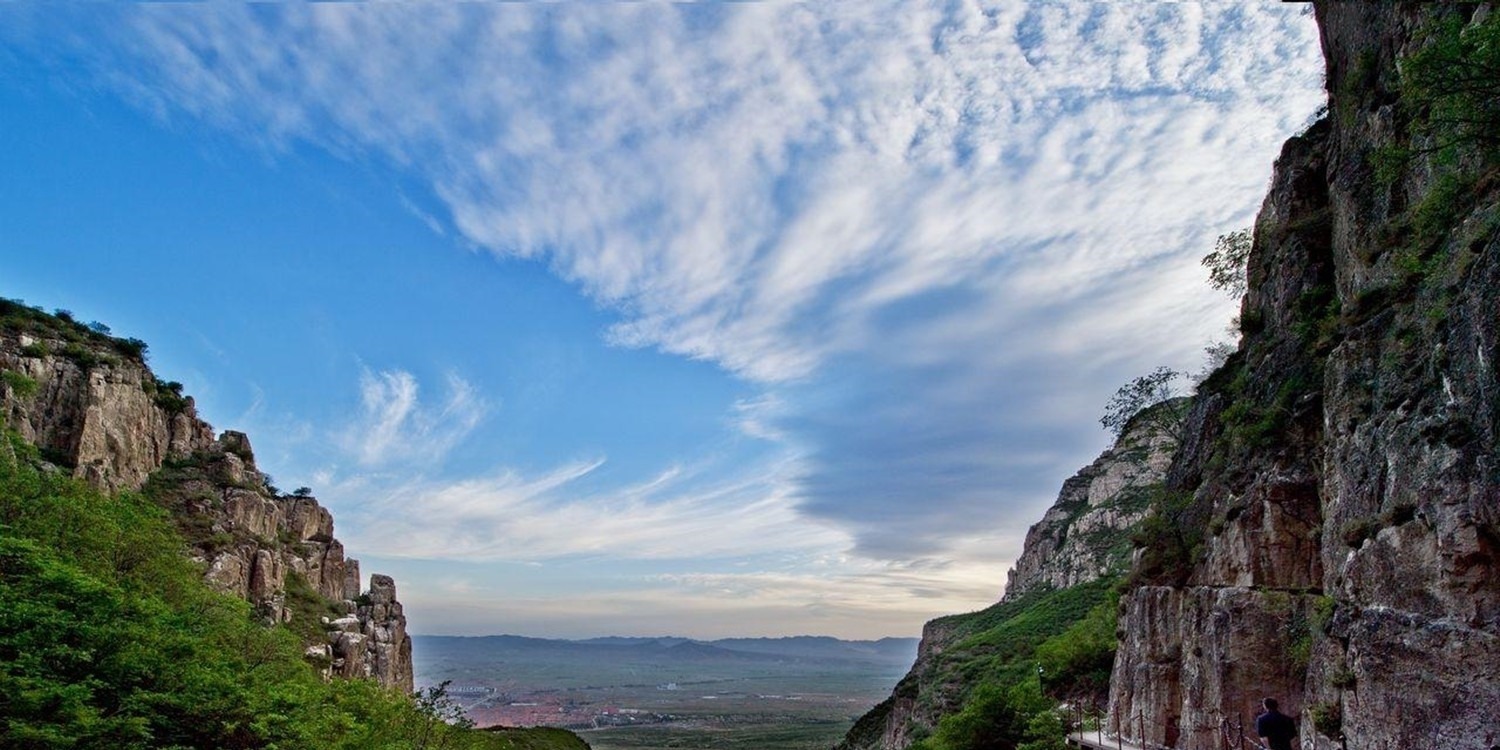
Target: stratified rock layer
pixel 1344 466
pixel 95 409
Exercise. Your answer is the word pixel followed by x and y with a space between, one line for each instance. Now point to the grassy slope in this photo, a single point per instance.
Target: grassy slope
pixel 990 669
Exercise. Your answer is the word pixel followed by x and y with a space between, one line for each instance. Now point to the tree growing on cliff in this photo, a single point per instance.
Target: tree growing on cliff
pixel 1153 397
pixel 1228 262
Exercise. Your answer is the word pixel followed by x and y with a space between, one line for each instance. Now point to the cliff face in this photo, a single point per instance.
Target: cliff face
pixel 93 407
pixel 1083 538
pixel 1342 466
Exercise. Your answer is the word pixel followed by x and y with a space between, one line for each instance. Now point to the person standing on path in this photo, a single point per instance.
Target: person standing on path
pixel 1275 727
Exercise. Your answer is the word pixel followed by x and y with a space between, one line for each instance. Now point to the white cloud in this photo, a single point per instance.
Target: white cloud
pixel 744 181
pixel 395 428
pixel 939 236
pixel 676 515
pixel 797 593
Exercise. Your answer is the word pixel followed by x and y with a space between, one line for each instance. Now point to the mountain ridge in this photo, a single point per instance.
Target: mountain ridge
pixel 826 647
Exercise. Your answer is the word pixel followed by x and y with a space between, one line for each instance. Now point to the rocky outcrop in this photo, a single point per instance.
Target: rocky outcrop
pixel 92 406
pixel 1345 505
pixel 372 642
pixel 1085 535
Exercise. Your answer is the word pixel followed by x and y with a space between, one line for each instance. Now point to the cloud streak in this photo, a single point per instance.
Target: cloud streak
pixel 935 235
pixel 517 518
pixel 395 429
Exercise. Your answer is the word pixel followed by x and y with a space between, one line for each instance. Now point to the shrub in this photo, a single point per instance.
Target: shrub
pixel 1322 612
pixel 1151 397
pixel 19 383
pixel 1078 662
pixel 168 396
pixel 132 347
pixel 1170 540
pixel 1453 83
pixel 83 356
pixel 110 638
pixel 1328 719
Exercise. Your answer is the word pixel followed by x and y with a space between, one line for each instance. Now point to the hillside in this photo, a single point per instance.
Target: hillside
pixel 158 592
pixel 92 407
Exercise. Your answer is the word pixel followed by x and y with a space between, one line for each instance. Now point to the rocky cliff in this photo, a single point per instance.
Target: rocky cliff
pixel 93 407
pixel 1340 493
pixel 1068 562
pixel 1085 535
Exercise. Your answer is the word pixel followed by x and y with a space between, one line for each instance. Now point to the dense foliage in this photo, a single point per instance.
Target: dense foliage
pixel 110 639
pixel 1454 83
pixel 1017 660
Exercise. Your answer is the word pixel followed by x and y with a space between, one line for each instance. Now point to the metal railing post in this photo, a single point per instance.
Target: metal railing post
pixel 1119 735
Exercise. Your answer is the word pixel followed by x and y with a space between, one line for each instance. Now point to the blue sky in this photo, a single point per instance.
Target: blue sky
pixel 710 320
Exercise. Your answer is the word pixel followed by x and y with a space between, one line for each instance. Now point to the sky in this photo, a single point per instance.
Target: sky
pixel 749 319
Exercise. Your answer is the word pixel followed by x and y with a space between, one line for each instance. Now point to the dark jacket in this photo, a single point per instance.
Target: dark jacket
pixel 1277 728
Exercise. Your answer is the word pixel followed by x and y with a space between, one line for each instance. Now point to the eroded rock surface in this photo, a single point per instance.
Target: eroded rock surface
pixel 1344 479
pixel 1085 534
pixel 99 412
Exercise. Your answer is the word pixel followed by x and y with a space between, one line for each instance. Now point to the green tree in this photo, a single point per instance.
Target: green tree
pixel 1153 397
pixel 1453 83
pixel 1228 263
pixel 1076 664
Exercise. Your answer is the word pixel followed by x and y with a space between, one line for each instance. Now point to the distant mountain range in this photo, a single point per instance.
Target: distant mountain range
pixel 897 652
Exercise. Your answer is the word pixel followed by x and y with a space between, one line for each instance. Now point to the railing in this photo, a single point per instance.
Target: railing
pixel 1087 728
pixel 1234 736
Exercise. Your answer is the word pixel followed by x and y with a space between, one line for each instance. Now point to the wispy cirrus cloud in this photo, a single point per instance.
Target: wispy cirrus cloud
pixel 676 515
pixel 395 428
pixel 936 235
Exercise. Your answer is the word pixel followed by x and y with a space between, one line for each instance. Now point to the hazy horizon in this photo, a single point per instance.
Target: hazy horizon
pixel 666 637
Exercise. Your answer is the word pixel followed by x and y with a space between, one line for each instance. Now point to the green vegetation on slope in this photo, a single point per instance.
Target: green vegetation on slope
pixel 998 682
pixel 1021 657
pixel 88 344
pixel 110 639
